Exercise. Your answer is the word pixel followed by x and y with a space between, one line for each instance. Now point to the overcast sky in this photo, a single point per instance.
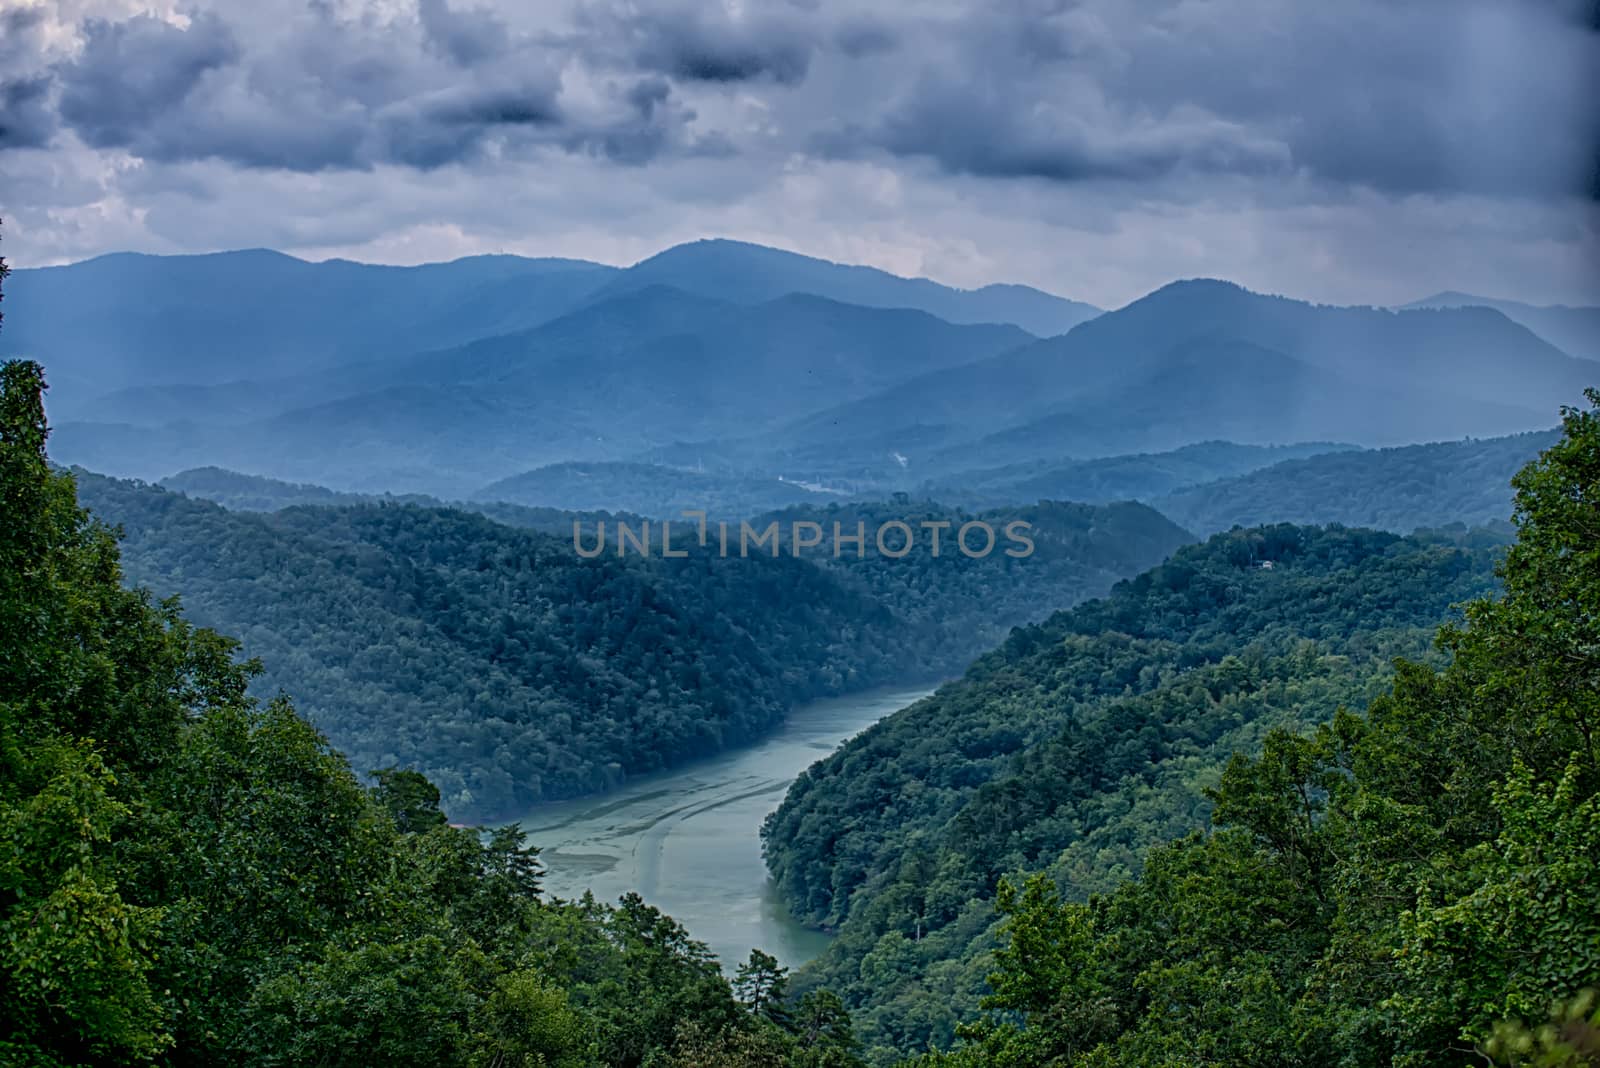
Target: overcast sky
pixel 1359 151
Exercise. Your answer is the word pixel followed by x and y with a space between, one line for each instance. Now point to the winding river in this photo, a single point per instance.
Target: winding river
pixel 689 840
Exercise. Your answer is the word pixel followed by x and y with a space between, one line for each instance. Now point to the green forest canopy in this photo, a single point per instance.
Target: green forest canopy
pixel 510 670
pixel 1408 885
pixel 1414 884
pixel 191 877
pixel 1083 741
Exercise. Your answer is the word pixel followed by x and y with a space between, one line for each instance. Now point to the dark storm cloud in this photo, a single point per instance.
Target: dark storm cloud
pixel 858 36
pixel 1464 96
pixel 698 42
pixel 467 36
pixel 995 131
pixel 449 125
pixel 26 119
pixel 329 93
pixel 19 31
pixel 1438 97
pixel 1435 96
pixel 133 73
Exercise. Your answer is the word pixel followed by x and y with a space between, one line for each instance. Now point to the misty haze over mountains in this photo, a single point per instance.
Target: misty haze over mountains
pixel 563 383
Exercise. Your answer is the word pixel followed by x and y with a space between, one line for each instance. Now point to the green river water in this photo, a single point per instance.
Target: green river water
pixel 689 840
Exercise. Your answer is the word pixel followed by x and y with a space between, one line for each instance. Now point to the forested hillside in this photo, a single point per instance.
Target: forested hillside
pixel 1141 476
pixel 511 670
pixel 649 489
pixel 255 493
pixel 189 877
pixel 1412 884
pixel 1083 741
pixel 1392 489
pixel 1070 548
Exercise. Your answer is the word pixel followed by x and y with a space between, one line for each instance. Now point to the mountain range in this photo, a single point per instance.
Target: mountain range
pixel 1204 358
pixel 1400 489
pixel 720 356
pixel 1571 329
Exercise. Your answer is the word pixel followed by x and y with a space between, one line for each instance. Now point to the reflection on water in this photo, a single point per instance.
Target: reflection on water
pixel 689 840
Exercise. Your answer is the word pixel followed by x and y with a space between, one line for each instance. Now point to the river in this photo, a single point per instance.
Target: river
pixel 689 840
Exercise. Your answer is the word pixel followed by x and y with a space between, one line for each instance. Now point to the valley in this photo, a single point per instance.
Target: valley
pixel 338 594
pixel 689 840
pixel 799 534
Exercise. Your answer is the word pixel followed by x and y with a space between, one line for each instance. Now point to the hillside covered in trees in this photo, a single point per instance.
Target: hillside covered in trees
pixel 1412 884
pixel 1397 489
pixel 191 877
pixel 1140 476
pixel 511 671
pixel 1082 742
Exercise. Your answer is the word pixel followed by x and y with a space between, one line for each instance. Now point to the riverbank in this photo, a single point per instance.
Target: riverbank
pixel 688 840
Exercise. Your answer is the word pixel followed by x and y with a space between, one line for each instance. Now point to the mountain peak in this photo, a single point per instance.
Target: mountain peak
pixel 1451 297
pixel 748 273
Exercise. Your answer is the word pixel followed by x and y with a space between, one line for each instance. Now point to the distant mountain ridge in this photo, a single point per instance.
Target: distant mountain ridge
pixel 1140 476
pixel 130 319
pixel 650 489
pixel 600 383
pixel 748 274
pixel 1398 489
pixel 1208 359
pixel 1574 330
pixel 135 319
pixel 760 363
pixel 239 492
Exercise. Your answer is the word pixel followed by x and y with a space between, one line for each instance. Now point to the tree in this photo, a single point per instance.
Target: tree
pixel 760 984
pixel 409 798
pixel 824 1036
pixel 76 652
pixel 528 1023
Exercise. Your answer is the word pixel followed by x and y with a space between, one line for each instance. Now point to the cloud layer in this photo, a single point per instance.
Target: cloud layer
pixel 1135 128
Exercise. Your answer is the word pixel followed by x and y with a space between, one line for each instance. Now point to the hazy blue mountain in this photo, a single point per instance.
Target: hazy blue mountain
pixel 239 492
pixel 129 319
pixel 1397 489
pixel 1115 478
pixel 134 321
pixel 651 490
pixel 380 379
pixel 1207 359
pixel 662 356
pixel 749 274
pixel 1574 330
pixel 603 382
pixel 253 493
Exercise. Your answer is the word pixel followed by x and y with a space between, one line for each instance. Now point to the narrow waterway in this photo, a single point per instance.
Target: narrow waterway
pixel 689 840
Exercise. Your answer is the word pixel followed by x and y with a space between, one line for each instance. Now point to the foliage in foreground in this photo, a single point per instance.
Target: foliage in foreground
pixel 1414 885
pixel 189 877
pixel 1083 742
